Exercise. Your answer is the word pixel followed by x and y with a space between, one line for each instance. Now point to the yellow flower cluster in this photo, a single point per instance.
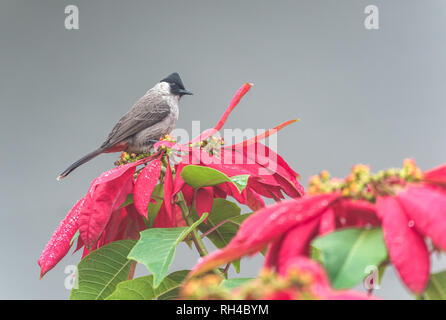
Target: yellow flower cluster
pixel 297 283
pixel 361 184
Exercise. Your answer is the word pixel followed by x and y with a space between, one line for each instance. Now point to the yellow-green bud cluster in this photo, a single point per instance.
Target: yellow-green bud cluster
pixel 212 144
pixel 131 157
pixel 209 287
pixel 360 184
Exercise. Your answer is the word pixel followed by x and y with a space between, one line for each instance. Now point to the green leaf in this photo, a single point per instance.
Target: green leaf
pixel 347 253
pixel 101 271
pixel 200 176
pixel 381 269
pixel 239 220
pixel 177 277
pixel 142 288
pixel 436 288
pixel 153 208
pixel 128 200
pixel 76 235
pixel 236 264
pixel 156 248
pixel 234 282
pixel 223 210
pixel 241 181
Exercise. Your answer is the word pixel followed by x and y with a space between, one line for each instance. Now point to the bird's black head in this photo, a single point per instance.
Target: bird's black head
pixel 176 85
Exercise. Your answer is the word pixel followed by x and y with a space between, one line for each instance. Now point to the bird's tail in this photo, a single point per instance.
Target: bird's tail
pixel 79 162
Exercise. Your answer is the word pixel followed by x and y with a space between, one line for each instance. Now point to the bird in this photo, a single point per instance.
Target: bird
pixel 151 117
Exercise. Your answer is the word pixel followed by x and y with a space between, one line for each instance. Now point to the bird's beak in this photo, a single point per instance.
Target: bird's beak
pixel 185 92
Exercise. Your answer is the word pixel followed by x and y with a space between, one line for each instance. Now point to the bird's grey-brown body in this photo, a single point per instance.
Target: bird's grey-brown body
pixel 154 115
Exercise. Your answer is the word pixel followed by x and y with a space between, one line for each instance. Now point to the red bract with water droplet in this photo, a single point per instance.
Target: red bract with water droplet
pixel 406 247
pixel 145 184
pixel 288 228
pixel 95 215
pixel 168 214
pixel 269 174
pixel 162 219
pixel 101 219
pixel 101 201
pixel 124 223
pixel 204 200
pixel 271 225
pixel 426 207
pixel 59 244
pixel 415 212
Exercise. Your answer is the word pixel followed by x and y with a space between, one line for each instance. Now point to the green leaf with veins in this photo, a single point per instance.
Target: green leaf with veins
pixel 200 176
pixel 100 272
pixel 142 288
pixel 128 200
pixel 347 253
pixel 153 208
pixel 156 248
pixel 222 210
pixel 436 288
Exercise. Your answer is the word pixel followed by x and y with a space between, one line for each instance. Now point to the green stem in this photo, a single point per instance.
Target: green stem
pixel 195 236
pixel 186 215
pixel 192 206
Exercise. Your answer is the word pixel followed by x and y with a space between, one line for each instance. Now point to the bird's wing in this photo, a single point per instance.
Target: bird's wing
pixel 146 112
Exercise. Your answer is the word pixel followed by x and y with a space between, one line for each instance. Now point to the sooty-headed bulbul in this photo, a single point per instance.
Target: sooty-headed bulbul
pixel 151 117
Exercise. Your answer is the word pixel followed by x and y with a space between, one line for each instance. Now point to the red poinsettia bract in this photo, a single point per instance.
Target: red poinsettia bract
pixel 101 218
pixel 408 204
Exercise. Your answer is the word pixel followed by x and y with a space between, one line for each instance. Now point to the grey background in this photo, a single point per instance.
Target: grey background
pixel 363 96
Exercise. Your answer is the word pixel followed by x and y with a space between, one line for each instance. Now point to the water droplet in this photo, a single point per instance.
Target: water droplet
pixel 411 223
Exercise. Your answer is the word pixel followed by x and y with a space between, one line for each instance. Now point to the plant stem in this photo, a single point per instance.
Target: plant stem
pixel 204 235
pixel 195 236
pixel 227 268
pixel 192 206
pixel 132 271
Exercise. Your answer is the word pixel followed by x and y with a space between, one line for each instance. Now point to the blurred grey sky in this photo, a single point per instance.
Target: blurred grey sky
pixel 370 96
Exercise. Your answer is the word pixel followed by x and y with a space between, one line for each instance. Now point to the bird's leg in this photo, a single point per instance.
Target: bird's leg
pixel 155 141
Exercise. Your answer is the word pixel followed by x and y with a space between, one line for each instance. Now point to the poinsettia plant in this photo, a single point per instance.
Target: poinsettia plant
pixel 317 245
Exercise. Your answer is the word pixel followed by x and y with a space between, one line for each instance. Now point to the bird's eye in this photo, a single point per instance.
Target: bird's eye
pixel 174 88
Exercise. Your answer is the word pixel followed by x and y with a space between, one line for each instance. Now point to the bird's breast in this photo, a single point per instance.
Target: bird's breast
pixel 142 141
